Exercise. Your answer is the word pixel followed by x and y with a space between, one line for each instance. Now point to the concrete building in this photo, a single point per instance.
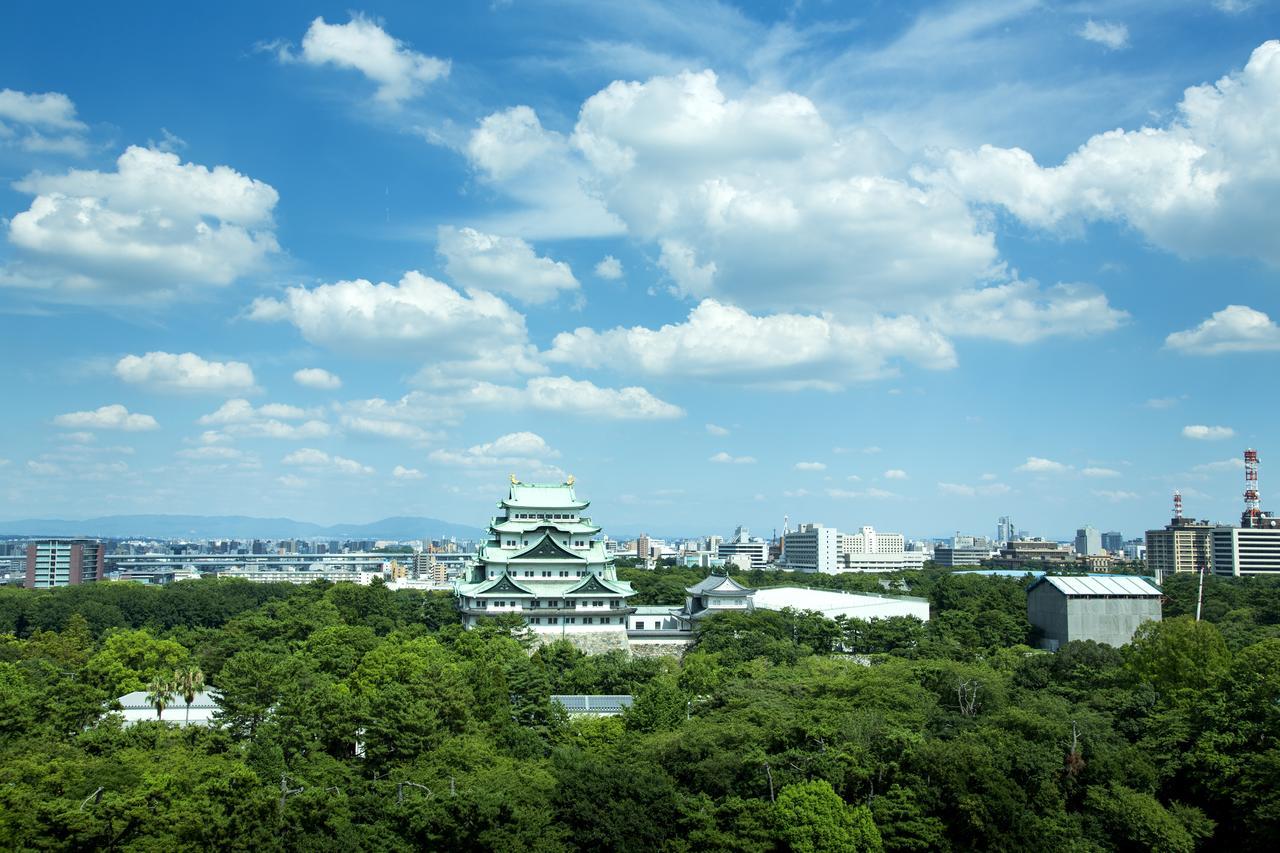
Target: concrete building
pixel 63 562
pixel 744 550
pixel 1105 609
pixel 1088 541
pixel 1237 551
pixel 1036 552
pixel 544 564
pixel 812 548
pixel 1005 531
pixel 871 551
pixel 1113 541
pixel 1184 545
pixel 135 708
pixel 952 556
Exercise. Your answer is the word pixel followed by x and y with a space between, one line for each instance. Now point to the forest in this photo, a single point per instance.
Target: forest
pixel 361 718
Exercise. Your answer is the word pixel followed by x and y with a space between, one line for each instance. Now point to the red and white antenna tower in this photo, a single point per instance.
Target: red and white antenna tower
pixel 1252 503
pixel 1177 504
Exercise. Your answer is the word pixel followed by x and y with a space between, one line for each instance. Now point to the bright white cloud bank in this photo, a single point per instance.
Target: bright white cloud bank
pixel 155 226
pixel 363 46
pixel 1112 35
pixel 317 377
pixel 1207 433
pixel 309 457
pixel 186 372
pixel 1236 328
pixel 270 420
pixel 114 416
pixel 503 264
pixel 40 122
pixel 1205 184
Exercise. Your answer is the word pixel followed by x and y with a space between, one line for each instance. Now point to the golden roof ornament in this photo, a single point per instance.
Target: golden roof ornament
pixel 514 480
pixel 569 482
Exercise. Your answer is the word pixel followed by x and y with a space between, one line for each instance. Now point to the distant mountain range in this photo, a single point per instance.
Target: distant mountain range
pixel 236 527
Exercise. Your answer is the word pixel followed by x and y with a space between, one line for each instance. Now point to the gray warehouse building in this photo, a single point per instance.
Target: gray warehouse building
pixel 1106 609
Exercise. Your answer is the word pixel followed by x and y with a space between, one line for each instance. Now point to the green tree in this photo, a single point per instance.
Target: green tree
pixel 812 818
pixel 188 681
pixel 159 694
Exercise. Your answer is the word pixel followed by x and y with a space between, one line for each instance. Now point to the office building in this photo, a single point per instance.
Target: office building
pixel 744 550
pixel 952 556
pixel 871 551
pixel 1112 541
pixel 1005 531
pixel 812 548
pixel 1184 545
pixel 543 563
pixel 1088 541
pixel 1103 609
pixel 643 548
pixel 63 562
pixel 1032 552
pixel 1240 551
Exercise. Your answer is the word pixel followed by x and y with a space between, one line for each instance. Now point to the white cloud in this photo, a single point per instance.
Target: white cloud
pixel 211 452
pixel 1100 472
pixel 240 417
pixel 1162 402
pixel 362 45
pixel 713 429
pixel 572 396
pixel 526 450
pixel 720 341
pixel 725 459
pixel 1112 35
pixel 80 437
pixel 114 416
pixel 154 228
pixel 45 122
pixel 1198 186
pixel 44 469
pixel 292 481
pixel 402 473
pixel 165 371
pixel 505 264
pixel 1020 312
pixel 846 494
pixel 1207 433
pixel 609 268
pixel 317 377
pixel 895 474
pixel 1236 328
pixel 1040 465
pixel 1116 495
pixel 309 457
pixel 387 428
pixel 512 151
pixel 966 491
pixel 1234 7
pixel 1235 463
pixel 810 466
pixel 685 165
pixel 419 316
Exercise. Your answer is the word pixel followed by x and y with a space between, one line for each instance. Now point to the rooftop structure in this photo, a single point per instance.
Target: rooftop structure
pixel 595 706
pixel 135 708
pixel 543 564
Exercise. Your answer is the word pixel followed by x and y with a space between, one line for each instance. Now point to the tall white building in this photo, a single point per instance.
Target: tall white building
pixel 744 550
pixel 871 551
pixel 812 548
pixel 1245 551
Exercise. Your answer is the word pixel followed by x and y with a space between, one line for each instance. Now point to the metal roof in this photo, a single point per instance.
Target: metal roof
pixel 137 701
pixel 586 704
pixel 1112 586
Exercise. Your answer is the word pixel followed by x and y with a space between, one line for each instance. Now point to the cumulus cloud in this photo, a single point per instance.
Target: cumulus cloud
pixel 362 45
pixel 155 227
pixel 713 429
pixel 1020 312
pixel 895 474
pixel 609 268
pixel 211 452
pixel 724 458
pixel 317 377
pixel 526 450
pixel 1112 35
pixel 309 457
pixel 964 490
pixel 40 122
pixel 114 416
pixel 504 264
pixel 810 466
pixel 270 420
pixel 1100 472
pixel 165 371
pixel 719 341
pixel 1040 465
pixel 538 168
pixel 1207 433
pixel 418 316
pixel 1202 185
pixel 1116 495
pixel 1236 328
pixel 402 473
pixel 1234 7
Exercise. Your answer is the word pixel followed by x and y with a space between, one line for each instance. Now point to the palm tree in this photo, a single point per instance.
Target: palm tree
pixel 159 694
pixel 188 681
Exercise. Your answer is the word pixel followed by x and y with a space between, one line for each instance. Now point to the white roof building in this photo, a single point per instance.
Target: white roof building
pixel 135 708
pixel 850 605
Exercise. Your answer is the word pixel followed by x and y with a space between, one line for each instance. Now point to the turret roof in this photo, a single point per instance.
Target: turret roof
pixel 718 584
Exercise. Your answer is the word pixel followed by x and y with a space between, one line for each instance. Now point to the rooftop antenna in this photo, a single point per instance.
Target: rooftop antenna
pixel 1177 504
pixel 1252 503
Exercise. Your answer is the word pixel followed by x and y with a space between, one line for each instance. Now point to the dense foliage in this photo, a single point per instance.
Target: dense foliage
pixel 357 718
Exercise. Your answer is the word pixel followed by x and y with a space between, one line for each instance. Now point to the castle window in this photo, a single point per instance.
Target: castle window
pixel 553 620
pixel 639 626
pixel 587 620
pixel 535 621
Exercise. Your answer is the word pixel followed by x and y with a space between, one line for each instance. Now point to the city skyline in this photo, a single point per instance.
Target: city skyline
pixel 942 264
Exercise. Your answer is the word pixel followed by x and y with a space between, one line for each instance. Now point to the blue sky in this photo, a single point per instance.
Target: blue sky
pixel 910 265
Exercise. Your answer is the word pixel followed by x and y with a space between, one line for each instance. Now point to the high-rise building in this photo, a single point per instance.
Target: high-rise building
pixel 744 550
pixel 1005 531
pixel 812 548
pixel 1088 541
pixel 642 547
pixel 1246 551
pixel 63 562
pixel 872 551
pixel 543 563
pixel 1112 540
pixel 1184 545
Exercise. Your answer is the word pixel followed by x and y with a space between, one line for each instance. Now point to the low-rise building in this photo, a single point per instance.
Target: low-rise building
pixel 1240 551
pixel 1105 609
